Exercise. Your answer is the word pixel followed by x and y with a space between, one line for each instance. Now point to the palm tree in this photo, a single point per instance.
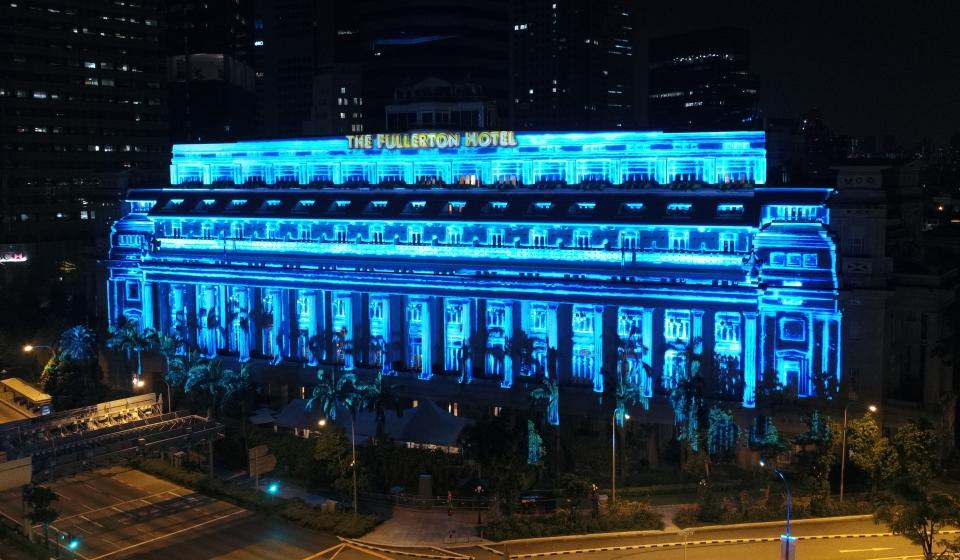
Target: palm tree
pixel 78 343
pixel 168 347
pixel 520 347
pixel 126 337
pixel 625 394
pixel 630 352
pixel 378 348
pixel 345 392
pixel 548 393
pixel 379 398
pixel 464 355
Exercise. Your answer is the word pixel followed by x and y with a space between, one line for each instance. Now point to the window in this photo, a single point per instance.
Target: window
pixel 674 368
pixel 778 259
pixel 728 242
pixel 376 234
pixel 176 229
pixel 794 260
pixel 496 316
pixel 206 230
pixel 538 238
pixel 676 324
pixel 415 235
pixel 583 320
pixel 339 234
pixel 629 322
pixel 456 207
pixel 415 312
pixel 376 309
pixel 273 231
pixel 454 235
pixel 128 240
pixel 679 240
pixel 133 291
pixel 304 232
pixel 810 260
pixel 793 329
pixel 581 239
pixel 726 327
pixel 454 314
pixel 415 353
pixel 495 237
pixel 856 246
pixel 538 318
pixel 583 361
pixel 628 240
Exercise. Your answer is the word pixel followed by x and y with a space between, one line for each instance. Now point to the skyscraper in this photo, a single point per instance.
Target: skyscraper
pixel 572 64
pixel 81 113
pixel 212 91
pixel 408 42
pixel 702 81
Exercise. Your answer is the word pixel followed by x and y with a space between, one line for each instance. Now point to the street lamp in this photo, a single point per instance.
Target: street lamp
pixel 31 347
pixel 322 422
pixel 479 490
pixel 843 446
pixel 788 543
pixel 613 456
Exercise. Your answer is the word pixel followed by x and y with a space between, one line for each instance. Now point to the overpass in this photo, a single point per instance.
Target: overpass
pixel 71 441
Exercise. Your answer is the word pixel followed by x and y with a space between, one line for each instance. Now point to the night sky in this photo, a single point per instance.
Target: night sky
pixel 872 67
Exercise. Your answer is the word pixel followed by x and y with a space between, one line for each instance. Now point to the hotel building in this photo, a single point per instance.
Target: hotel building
pixel 475 264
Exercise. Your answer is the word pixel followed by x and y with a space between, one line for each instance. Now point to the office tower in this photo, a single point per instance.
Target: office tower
pixel 572 64
pixel 702 81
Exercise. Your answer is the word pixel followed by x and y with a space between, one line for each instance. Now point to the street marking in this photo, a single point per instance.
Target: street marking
pixel 161 537
pixel 874 549
pixel 87 519
pixel 897 557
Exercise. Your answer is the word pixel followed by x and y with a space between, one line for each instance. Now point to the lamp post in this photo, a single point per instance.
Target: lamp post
pixel 169 395
pixel 31 347
pixel 788 543
pixel 843 446
pixel 613 456
pixel 479 490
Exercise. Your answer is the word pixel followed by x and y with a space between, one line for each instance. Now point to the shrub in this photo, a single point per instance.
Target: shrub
pixel 338 523
pixel 632 516
pixel 687 516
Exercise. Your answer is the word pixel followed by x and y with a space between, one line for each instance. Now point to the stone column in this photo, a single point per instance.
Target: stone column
pixel 426 342
pixel 750 342
pixel 696 337
pixel 646 335
pixel 147 302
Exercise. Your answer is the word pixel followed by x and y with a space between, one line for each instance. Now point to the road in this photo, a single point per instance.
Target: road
pixel 122 513
pixel 822 540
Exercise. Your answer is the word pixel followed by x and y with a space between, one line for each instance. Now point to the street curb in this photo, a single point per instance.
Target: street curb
pixel 753 525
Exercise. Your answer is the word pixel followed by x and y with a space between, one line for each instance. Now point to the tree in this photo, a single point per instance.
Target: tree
pixel 39 500
pixel 380 398
pixel 330 393
pixel 499 444
pixel 872 452
pixel 921 518
pixel 73 376
pixel 818 453
pixel 914 507
pixel 216 384
pixel 547 394
pixel 520 347
pixel 78 343
pixel 126 337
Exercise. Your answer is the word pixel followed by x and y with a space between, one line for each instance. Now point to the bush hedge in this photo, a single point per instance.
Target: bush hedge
pixel 745 507
pixel 296 510
pixel 632 516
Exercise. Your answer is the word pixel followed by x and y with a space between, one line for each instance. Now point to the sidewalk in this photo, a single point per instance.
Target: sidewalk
pixel 415 527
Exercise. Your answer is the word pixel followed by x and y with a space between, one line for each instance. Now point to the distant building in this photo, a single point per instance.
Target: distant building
pixel 572 65
pixel 81 114
pixel 210 46
pixel 899 286
pixel 435 103
pixel 293 40
pixel 337 101
pixel 405 42
pixel 702 81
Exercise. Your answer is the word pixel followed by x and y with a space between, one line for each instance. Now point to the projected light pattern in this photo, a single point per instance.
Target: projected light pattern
pixel 445 279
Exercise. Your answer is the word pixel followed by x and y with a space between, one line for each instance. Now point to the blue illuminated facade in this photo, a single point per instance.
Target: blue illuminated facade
pixel 430 261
